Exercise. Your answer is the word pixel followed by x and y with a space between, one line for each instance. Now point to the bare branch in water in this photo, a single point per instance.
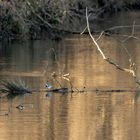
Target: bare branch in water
pixel 130 70
pixel 93 39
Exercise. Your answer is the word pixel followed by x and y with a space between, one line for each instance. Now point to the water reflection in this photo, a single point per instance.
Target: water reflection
pixel 77 116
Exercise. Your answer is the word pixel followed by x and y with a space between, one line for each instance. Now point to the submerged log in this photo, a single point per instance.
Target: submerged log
pixel 59 90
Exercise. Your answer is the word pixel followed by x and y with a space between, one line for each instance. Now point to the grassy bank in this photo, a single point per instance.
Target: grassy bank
pixel 33 19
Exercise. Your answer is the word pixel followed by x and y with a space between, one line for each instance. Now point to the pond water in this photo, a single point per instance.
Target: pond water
pixel 75 116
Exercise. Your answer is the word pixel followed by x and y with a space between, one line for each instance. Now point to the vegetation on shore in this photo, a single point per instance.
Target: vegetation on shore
pixel 32 19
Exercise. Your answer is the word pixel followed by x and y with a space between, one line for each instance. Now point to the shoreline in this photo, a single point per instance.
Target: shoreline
pixel 36 20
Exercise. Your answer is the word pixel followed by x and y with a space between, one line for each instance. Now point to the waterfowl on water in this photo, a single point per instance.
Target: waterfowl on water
pixel 58 90
pixel 48 86
pixel 20 107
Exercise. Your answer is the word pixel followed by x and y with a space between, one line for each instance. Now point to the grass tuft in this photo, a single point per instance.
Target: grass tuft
pixel 14 87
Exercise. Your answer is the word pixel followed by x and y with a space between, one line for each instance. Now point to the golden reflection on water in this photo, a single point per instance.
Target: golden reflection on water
pixel 77 116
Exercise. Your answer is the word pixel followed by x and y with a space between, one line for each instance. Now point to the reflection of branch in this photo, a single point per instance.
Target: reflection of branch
pixel 109 60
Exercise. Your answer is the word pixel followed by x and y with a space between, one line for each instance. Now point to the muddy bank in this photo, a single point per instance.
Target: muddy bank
pixel 37 19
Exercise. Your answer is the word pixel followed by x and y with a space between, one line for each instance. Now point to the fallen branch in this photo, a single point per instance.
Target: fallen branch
pixel 130 70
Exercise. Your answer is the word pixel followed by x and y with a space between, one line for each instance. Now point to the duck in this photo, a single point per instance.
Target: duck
pixel 20 107
pixel 58 90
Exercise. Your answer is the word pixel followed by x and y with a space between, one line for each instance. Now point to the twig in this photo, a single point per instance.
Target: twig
pixel 99 12
pixel 83 30
pixel 100 36
pixel 85 27
pixel 55 76
pixel 118 27
pixel 132 33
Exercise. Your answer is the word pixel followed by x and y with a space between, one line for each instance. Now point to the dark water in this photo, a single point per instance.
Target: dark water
pixel 76 116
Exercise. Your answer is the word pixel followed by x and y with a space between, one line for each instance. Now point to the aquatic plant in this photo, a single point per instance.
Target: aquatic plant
pixel 14 87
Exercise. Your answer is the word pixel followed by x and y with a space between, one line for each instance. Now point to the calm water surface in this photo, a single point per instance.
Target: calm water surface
pixel 76 116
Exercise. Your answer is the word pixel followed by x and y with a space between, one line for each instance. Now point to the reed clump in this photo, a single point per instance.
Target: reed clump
pixel 13 87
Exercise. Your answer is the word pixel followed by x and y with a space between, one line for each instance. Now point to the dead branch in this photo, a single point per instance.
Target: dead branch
pixel 130 70
pixel 94 41
pixel 132 33
pixel 119 27
pixel 100 36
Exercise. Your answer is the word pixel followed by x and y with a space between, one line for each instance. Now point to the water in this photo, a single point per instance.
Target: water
pixel 77 116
